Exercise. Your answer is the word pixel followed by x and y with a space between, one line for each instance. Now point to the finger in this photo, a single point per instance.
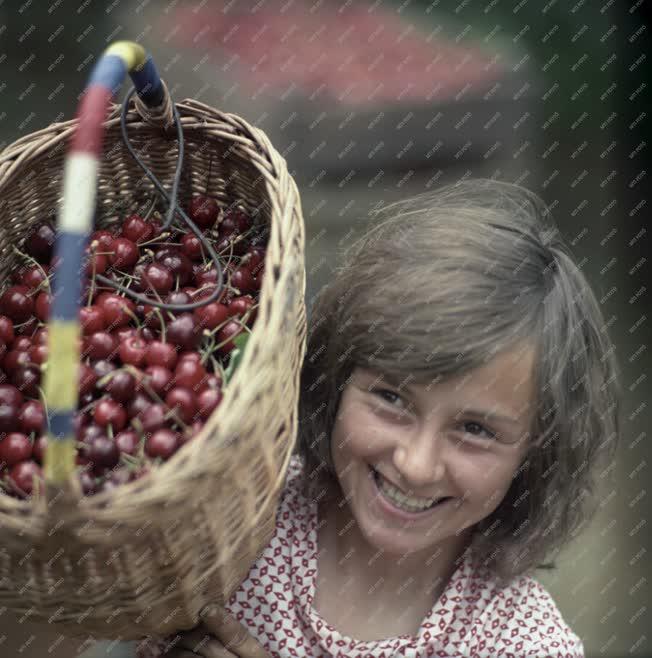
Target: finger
pixel 232 633
pixel 202 643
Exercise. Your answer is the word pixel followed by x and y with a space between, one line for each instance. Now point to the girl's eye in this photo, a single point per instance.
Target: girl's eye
pixel 475 429
pixel 388 396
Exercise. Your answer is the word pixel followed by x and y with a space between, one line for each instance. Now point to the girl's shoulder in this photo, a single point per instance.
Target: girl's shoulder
pixel 522 617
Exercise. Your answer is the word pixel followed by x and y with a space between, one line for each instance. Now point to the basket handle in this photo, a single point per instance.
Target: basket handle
pixel 75 220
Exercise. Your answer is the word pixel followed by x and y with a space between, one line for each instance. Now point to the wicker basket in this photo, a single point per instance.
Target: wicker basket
pixel 146 557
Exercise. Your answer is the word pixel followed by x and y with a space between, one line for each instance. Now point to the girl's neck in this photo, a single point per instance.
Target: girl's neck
pixel 407 577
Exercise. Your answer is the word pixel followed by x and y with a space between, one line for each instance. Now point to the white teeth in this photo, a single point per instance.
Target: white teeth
pixel 398 498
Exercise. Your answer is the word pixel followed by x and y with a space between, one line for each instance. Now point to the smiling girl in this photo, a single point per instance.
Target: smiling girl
pixel 458 394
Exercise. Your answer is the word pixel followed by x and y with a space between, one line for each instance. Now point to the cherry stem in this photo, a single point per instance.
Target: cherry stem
pixel 173 414
pixel 133 316
pixel 149 212
pixel 160 319
pixel 32 260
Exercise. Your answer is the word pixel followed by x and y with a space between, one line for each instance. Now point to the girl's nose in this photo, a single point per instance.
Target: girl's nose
pixel 420 461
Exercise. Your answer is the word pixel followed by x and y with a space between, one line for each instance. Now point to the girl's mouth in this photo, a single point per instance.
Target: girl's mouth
pixel 395 502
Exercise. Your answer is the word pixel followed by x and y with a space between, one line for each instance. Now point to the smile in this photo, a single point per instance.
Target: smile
pixel 400 501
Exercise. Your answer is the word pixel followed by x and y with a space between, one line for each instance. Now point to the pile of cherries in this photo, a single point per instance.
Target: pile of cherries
pixel 149 377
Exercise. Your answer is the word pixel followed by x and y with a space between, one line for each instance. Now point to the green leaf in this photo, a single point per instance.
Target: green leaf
pixel 240 342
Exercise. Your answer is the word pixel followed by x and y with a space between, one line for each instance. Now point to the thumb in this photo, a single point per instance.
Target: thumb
pixel 233 635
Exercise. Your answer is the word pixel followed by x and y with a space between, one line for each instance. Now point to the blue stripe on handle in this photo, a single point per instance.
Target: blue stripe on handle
pixel 67 279
pixel 110 72
pixel 61 424
pixel 148 83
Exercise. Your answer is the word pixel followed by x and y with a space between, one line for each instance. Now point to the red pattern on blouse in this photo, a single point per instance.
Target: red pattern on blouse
pixel 474 617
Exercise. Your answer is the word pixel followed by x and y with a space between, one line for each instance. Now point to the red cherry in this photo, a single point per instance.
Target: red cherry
pixel 116 309
pixel 102 368
pixel 14 360
pixel 207 401
pixel 32 417
pixel 239 306
pixel 206 277
pixel 124 254
pixel 109 412
pixel 151 318
pixel 146 334
pixel 158 378
pixel 6 330
pixel 213 381
pixel 211 315
pixel 183 331
pixel 228 244
pixel 243 280
pixel 254 259
pixel 189 374
pixel 121 386
pixel 88 483
pixel 9 418
pixel 182 400
pixel 153 418
pixel 103 452
pixel 158 277
pixel 33 277
pixel 122 333
pixel 42 306
pixel 10 395
pixel 192 247
pixel 178 297
pixel 96 263
pixel 203 211
pixel 258 279
pixel 138 405
pixel 16 303
pixel 15 447
pixel 137 229
pixel 100 345
pixel 39 244
pixel 38 449
pixel 161 354
pixel 192 355
pixel 22 344
pixel 104 240
pixel 132 351
pixel 23 475
pixel 87 379
pixel 40 336
pixel 38 354
pixel 227 333
pixel 127 442
pixel 163 443
pixel 177 262
pixel 234 221
pixel 91 319
pixel 27 380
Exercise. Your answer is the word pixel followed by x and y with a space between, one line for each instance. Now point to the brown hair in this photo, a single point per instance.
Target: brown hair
pixel 438 286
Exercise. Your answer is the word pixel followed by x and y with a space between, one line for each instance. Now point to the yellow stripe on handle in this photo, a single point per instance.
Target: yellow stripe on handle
pixel 133 55
pixel 59 459
pixel 62 373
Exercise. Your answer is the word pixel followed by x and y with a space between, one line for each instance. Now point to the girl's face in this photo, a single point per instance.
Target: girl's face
pixel 395 450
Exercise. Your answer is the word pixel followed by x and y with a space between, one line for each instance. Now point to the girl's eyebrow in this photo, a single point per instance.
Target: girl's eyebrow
pixel 490 416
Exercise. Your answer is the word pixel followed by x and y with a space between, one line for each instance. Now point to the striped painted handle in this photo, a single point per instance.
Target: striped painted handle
pixel 74 223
